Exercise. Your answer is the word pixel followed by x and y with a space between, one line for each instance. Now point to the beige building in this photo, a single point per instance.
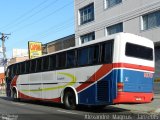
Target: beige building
pixel 56 45
pixel 17 59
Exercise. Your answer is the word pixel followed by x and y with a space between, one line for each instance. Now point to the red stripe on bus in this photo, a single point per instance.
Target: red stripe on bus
pixel 95 77
pixel 14 81
pixel 133 66
pixel 21 95
pixel 131 97
pixel 100 73
pixel 108 67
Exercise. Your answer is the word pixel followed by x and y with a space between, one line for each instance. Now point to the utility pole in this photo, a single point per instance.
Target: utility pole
pixel 4 36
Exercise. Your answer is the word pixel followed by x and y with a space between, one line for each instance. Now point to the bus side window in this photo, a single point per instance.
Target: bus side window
pixel 32 66
pixel 14 70
pixel 52 62
pixel 27 67
pixel 11 72
pixel 17 69
pixel 22 68
pixel 61 60
pixel 71 58
pixel 38 64
pixel 45 63
pixel 7 72
pixel 106 52
pixel 82 57
pixel 94 54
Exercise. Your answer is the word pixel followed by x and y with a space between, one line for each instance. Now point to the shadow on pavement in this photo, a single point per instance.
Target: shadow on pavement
pixel 107 109
pixel 5 98
pixel 82 108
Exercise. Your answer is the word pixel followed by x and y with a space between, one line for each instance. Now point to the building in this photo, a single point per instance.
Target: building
pixel 18 55
pixel 2 76
pixel 59 44
pixel 17 59
pixel 2 79
pixel 98 18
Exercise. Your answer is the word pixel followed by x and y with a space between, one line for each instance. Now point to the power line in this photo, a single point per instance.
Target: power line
pixel 22 16
pixel 42 18
pixel 58 30
pixel 53 27
pixel 32 15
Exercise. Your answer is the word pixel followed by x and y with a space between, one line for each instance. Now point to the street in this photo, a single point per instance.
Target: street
pixel 27 110
pixel 81 53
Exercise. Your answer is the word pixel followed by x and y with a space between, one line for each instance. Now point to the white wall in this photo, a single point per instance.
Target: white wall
pixel 129 12
pixel 1 69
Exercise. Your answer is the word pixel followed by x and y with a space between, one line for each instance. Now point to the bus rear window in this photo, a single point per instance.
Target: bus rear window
pixel 138 51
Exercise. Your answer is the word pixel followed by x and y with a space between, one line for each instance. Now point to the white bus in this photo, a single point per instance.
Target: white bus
pixel 112 70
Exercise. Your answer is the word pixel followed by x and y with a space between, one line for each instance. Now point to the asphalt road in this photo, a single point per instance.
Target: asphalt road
pixel 26 110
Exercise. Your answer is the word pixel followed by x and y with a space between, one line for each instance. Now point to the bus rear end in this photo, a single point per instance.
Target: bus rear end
pixel 134 64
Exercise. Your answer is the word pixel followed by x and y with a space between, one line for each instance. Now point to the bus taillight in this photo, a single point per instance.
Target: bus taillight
pixel 120 87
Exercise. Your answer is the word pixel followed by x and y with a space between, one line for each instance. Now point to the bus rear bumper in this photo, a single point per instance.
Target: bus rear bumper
pixel 129 97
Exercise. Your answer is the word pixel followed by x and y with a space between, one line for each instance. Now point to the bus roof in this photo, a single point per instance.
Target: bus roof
pixel 89 43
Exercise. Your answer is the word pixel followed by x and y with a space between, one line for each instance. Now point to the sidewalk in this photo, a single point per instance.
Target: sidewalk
pixel 2 93
pixel 153 107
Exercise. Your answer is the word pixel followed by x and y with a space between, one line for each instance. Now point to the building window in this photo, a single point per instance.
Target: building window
pixel 86 14
pixel 151 20
pixel 115 29
pixel 111 3
pixel 87 37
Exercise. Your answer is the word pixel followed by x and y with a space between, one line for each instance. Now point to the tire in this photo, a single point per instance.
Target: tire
pixel 69 100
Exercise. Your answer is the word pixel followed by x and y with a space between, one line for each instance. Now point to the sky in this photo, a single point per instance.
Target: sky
pixel 35 20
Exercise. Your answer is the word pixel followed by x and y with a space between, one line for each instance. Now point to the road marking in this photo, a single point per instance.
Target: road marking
pixel 15 103
pixel 63 111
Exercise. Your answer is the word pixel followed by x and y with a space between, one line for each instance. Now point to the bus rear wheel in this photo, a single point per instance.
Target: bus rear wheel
pixel 69 100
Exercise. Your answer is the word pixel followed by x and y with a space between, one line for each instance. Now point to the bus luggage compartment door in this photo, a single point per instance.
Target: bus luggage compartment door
pixel 106 90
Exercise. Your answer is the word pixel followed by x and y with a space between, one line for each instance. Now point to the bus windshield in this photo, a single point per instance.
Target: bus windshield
pixel 138 51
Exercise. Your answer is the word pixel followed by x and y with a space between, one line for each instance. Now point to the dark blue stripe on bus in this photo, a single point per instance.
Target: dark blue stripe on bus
pixel 105 90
